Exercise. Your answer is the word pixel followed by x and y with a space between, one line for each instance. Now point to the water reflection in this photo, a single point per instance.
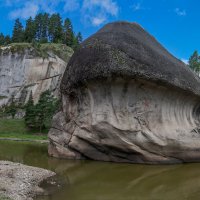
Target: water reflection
pixel 86 180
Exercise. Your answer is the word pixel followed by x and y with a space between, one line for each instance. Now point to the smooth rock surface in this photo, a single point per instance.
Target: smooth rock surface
pixel 126 99
pixel 21 182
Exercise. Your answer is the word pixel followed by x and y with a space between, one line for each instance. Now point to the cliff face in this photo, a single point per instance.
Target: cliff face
pixel 24 69
pixel 126 99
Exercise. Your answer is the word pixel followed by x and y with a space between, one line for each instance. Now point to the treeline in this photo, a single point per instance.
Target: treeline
pixel 37 116
pixel 44 28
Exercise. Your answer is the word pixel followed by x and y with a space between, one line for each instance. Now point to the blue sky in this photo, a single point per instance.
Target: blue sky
pixel 175 23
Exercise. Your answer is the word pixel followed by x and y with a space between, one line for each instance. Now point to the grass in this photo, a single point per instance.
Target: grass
pixel 15 128
pixel 3 97
pixel 4 198
pixel 41 49
pixel 62 51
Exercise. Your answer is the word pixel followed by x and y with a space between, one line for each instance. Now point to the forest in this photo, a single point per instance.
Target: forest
pixel 43 28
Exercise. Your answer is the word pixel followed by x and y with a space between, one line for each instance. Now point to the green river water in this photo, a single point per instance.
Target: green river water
pixel 89 180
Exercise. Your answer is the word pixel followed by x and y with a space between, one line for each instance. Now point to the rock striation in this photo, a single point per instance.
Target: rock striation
pixel 25 68
pixel 125 98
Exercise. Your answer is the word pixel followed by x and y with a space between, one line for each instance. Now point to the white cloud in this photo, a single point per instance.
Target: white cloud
pixel 96 21
pixel 180 12
pixel 186 61
pixel 49 6
pixel 21 8
pixel 107 6
pixel 136 7
pixel 29 9
pixel 92 12
pixel 71 5
pixel 96 12
pixel 10 2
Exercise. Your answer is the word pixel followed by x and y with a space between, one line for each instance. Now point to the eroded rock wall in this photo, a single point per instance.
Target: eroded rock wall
pixel 127 121
pixel 23 72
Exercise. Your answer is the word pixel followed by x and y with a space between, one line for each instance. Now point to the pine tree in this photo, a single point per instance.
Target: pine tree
pixel 77 41
pixel 7 40
pixel 30 30
pixel 38 27
pixel 40 112
pixel 30 112
pixel 68 37
pixel 2 39
pixel 194 62
pixel 55 28
pixel 40 115
pixel 18 32
pixel 41 27
pixel 79 38
pixel 45 28
pixel 12 108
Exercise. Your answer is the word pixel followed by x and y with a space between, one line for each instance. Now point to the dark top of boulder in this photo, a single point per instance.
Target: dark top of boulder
pixel 123 49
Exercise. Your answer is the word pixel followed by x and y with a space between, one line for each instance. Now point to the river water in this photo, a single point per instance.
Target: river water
pixel 89 180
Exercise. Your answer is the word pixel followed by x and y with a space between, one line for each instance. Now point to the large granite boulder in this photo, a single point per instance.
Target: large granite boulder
pixel 126 99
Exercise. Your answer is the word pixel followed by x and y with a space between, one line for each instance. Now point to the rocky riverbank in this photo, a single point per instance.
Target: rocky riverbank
pixel 21 182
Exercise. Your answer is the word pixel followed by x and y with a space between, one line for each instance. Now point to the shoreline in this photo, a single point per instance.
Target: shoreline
pixel 24 140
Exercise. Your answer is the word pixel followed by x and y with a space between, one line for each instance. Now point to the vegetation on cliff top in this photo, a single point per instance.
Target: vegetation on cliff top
pixel 42 50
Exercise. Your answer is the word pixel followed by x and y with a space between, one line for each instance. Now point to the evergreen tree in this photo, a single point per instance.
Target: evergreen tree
pixel 18 32
pixel 41 27
pixel 194 62
pixel 2 39
pixel 40 112
pixel 39 116
pixel 77 41
pixel 55 29
pixel 38 27
pixel 68 37
pixel 44 109
pixel 7 40
pixel 12 108
pixel 79 38
pixel 30 112
pixel 45 28
pixel 30 30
